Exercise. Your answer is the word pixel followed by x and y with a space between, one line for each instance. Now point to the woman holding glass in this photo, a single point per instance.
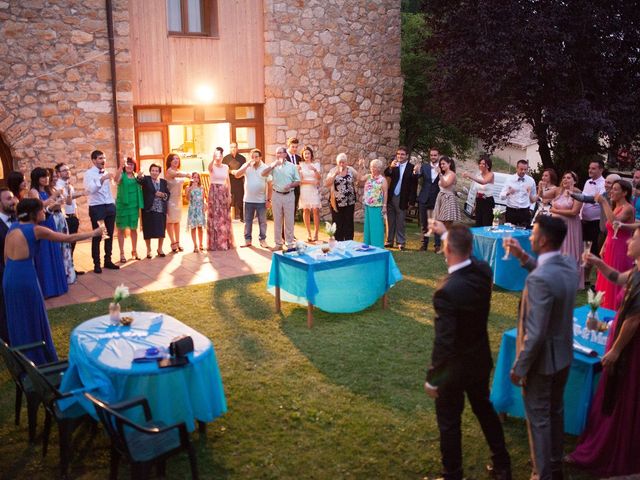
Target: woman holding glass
pixel 342 181
pixel 484 197
pixel 155 194
pixel 565 207
pixel 374 201
pixel 219 231
pixel 309 193
pixel 446 209
pixel 175 179
pixel 128 204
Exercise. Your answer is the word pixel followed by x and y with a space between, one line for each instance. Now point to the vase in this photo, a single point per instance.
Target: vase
pixel 332 242
pixel 592 320
pixel 496 222
pixel 114 313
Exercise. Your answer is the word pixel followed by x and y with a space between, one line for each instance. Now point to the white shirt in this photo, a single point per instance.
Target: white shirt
pixel 459 266
pixel 520 198
pixel 545 257
pixel 591 211
pixel 255 185
pixel 98 193
pixel 401 167
pixel 61 187
pixel 5 218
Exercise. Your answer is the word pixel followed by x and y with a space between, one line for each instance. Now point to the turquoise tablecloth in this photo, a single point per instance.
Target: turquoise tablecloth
pixel 345 281
pixel 487 246
pixel 101 361
pixel 581 384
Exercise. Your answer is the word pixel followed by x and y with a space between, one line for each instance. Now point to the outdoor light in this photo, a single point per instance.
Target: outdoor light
pixel 204 94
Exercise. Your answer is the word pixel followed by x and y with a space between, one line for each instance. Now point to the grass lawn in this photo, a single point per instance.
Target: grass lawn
pixel 343 400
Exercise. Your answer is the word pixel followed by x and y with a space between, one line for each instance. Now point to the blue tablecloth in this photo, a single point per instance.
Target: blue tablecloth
pixel 487 246
pixel 581 384
pixel 101 362
pixel 346 280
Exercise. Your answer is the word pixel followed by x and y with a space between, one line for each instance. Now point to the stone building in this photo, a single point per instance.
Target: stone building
pixel 175 79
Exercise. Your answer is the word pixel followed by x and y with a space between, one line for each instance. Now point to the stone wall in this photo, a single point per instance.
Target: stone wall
pixel 332 77
pixel 55 82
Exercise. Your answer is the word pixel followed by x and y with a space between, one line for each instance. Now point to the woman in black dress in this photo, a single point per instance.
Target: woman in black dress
pixel 155 193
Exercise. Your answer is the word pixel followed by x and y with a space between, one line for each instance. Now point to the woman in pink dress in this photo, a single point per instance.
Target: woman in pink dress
pixel 219 231
pixel 568 209
pixel 610 445
pixel 615 246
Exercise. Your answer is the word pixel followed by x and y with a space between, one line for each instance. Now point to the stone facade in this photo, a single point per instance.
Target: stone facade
pixel 332 77
pixel 55 82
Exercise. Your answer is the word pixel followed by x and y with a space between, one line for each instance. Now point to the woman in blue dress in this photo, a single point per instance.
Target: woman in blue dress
pixel 27 320
pixel 49 258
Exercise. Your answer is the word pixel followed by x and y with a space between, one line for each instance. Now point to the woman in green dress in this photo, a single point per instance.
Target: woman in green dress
pixel 128 205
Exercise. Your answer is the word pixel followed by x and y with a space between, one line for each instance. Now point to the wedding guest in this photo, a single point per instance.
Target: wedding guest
pixel 49 259
pixel 615 246
pixel 219 231
pixel 69 194
pixel 484 197
pixel 234 161
pixel 446 209
pixel 293 157
pixel 175 179
pixel 285 178
pixel 610 444
pixel 60 220
pixel 591 212
pixel 257 196
pixel 27 320
pixel 342 182
pixel 155 194
pixel 128 204
pixel 429 173
pixel 7 218
pixel 402 193
pixel 310 200
pixel 17 184
pixel 568 209
pixel 548 185
pixel 519 192
pixel 195 216
pixel 374 201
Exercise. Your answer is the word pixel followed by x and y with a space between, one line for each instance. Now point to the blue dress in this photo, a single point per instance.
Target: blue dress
pixel 50 262
pixel 27 319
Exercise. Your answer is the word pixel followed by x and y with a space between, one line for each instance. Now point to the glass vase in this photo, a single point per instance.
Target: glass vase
pixel 592 322
pixel 114 313
pixel 496 222
pixel 333 243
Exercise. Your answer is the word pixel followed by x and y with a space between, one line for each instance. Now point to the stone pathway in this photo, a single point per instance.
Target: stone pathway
pixel 174 270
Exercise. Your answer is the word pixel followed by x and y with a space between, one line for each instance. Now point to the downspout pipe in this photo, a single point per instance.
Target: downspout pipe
pixel 112 61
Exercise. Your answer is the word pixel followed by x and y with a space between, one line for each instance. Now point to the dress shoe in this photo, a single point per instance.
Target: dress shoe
pixel 111 266
pixel 97 269
pixel 263 244
pixel 437 249
pixel 248 244
pixel 80 272
pixel 401 248
pixel 388 245
pixel 499 473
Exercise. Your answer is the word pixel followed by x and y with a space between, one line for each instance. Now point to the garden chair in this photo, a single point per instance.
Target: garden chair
pixel 142 445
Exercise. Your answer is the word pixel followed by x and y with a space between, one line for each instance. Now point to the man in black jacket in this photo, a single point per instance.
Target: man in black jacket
pixel 7 217
pixel 401 194
pixel 430 175
pixel 461 358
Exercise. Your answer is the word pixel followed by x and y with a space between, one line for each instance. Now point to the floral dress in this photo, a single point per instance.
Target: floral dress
pixel 195 216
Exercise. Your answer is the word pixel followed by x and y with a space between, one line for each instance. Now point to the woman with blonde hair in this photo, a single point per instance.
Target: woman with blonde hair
pixel 342 181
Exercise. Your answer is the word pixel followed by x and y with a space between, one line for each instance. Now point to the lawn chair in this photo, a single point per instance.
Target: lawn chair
pixel 53 371
pixel 67 420
pixel 142 444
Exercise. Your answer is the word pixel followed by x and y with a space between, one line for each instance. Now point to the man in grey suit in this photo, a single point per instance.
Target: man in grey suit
pixel 544 346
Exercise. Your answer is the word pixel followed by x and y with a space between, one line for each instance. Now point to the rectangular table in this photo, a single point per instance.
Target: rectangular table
pixel 581 384
pixel 346 280
pixel 487 246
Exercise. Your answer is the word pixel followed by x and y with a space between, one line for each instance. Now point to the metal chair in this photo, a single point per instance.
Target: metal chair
pixel 142 445
pixel 67 420
pixel 53 371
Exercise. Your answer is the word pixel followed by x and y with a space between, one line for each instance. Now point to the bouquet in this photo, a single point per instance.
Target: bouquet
pixel 330 228
pixel 496 213
pixel 594 299
pixel 593 323
pixel 122 292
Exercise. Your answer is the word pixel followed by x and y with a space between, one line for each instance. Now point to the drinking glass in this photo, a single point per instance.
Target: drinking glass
pixel 506 245
pixel 616 227
pixel 101 224
pixel 585 251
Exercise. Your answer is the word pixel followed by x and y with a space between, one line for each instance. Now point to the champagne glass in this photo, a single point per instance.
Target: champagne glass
pixel 105 233
pixel 616 227
pixel 430 224
pixel 506 244
pixel 585 252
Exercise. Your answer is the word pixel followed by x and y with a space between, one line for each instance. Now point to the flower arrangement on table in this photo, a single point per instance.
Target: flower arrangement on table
pixel 593 323
pixel 496 216
pixel 121 292
pixel 331 228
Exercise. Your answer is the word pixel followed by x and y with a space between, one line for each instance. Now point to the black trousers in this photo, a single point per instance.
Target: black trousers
pixel 591 231
pixel 449 407
pixel 343 219
pixel 74 224
pixel 484 211
pixel 520 217
pixel 106 212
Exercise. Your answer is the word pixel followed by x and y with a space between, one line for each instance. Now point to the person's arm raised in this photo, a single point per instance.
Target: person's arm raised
pixel 44 233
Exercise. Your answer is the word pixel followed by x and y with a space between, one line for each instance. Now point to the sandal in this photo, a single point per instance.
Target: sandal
pixel 149 255
pixel 173 248
pixel 123 259
pixel 134 255
pixel 179 247
pixel 161 254
pixel 309 239
pixel 195 250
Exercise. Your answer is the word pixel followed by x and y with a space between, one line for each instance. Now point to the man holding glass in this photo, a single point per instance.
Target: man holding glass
pixel 519 192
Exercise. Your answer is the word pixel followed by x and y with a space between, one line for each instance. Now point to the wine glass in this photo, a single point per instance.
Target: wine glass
pixel 585 252
pixel 616 227
pixel 430 224
pixel 105 233
pixel 506 244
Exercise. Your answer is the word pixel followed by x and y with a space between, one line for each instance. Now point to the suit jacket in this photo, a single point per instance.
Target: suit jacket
pixel 544 344
pixel 4 332
pixel 3 234
pixel 149 192
pixel 407 187
pixel 430 188
pixel 461 351
pixel 298 158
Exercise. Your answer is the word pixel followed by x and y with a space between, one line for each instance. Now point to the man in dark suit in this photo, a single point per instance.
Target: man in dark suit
pixel 292 156
pixel 7 217
pixel 402 193
pixel 461 358
pixel 544 345
pixel 429 173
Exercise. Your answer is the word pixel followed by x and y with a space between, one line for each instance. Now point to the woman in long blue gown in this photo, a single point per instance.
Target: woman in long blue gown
pixel 49 259
pixel 27 320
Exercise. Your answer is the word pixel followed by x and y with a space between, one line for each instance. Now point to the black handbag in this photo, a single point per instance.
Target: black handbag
pixel 180 346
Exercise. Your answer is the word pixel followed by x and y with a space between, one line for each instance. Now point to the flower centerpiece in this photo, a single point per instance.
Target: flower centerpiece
pixel 121 292
pixel 331 228
pixel 594 300
pixel 301 247
pixel 496 217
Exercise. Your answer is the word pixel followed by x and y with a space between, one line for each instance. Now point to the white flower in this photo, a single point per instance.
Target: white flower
pixel 496 212
pixel 122 292
pixel 330 228
pixel 594 300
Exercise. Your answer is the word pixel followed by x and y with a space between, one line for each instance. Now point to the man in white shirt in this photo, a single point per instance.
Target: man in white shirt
pixel 590 213
pixel 519 191
pixel 257 196
pixel 69 195
pixel 97 185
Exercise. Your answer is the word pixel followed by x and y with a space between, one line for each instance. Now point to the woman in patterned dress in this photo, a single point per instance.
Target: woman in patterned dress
pixel 342 181
pixel 195 216
pixel 375 202
pixel 446 209
pixel 219 231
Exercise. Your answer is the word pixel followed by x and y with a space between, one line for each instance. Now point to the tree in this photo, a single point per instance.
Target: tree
pixel 568 68
pixel 421 126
